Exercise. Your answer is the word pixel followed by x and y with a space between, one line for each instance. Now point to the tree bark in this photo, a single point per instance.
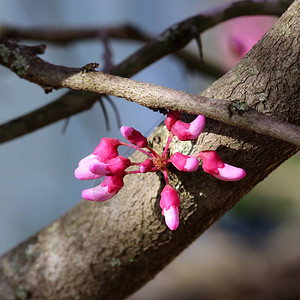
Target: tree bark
pixel 109 251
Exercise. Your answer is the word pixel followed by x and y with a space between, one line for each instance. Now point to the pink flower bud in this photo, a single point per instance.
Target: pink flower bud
pixel 114 166
pixel 146 166
pixel 169 204
pixel 134 136
pixel 107 149
pixel 109 187
pixel 172 117
pixel 231 173
pixel 214 165
pixel 83 172
pixel 188 131
pixel 184 163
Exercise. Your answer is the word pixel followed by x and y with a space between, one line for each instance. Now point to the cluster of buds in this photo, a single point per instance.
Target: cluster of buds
pixel 106 162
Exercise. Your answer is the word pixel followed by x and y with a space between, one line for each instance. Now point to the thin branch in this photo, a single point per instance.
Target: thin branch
pixel 115 109
pixel 171 40
pixel 106 118
pixel 65 106
pixel 179 35
pixel 64 36
pixel 128 32
pixel 146 94
pixel 107 52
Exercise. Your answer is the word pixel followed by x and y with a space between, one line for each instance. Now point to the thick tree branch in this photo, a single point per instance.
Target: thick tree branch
pixel 107 252
pixel 268 7
pixel 32 68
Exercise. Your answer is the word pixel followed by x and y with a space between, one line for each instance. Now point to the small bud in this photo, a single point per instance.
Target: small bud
pixel 188 131
pixel 114 166
pixel 169 204
pixel 107 149
pixel 83 172
pixel 172 117
pixel 134 136
pixel 146 166
pixel 109 187
pixel 214 165
pixel 184 162
pixel 171 217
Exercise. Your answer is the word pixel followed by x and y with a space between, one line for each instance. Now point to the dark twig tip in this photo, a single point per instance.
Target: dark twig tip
pixel 197 37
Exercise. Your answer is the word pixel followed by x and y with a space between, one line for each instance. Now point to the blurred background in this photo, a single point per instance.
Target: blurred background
pixel 256 242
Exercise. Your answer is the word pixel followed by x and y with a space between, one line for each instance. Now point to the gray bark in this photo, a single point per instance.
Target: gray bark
pixel 109 251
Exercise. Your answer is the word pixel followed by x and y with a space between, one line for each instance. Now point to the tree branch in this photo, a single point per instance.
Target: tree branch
pixel 65 106
pixel 47 75
pixel 65 36
pixel 267 7
pixel 179 35
pixel 128 32
pixel 212 17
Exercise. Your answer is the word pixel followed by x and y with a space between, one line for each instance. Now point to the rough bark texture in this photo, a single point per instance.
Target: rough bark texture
pixel 109 251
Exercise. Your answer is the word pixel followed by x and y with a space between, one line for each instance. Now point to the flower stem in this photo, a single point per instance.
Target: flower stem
pixel 152 151
pixel 134 172
pixel 167 145
pixel 138 148
pixel 165 172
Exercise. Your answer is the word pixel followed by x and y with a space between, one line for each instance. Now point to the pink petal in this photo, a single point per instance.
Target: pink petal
pixel 230 173
pixel 114 166
pixel 196 127
pixel 107 149
pixel 82 172
pixel 188 131
pixel 146 166
pixel 192 164
pixel 114 183
pixel 171 217
pixel 109 187
pixel 184 162
pixel 99 168
pixel 172 117
pixel 134 136
pixel 211 162
pixel 97 193
pixel 169 197
pixel 118 165
pixel 180 129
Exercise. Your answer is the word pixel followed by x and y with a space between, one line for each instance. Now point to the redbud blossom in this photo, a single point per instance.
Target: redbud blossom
pixel 188 131
pixel 214 165
pixel 169 204
pixel 107 149
pixel 83 172
pixel 172 117
pixel 146 166
pixel 134 136
pixel 184 162
pixel 114 166
pixel 109 187
pixel 106 161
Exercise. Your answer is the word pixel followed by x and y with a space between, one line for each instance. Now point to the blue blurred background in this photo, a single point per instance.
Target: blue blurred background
pixel 37 183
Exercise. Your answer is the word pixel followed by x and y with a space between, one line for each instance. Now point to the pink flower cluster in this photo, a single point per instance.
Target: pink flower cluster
pixel 106 162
